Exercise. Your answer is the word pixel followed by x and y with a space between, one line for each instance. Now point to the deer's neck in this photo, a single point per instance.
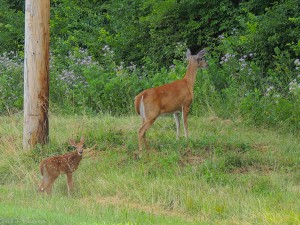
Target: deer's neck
pixel 75 157
pixel 190 76
pixel 73 161
pixel 78 157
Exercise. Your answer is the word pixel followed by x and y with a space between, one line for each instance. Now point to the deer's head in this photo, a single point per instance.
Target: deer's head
pixel 78 146
pixel 197 59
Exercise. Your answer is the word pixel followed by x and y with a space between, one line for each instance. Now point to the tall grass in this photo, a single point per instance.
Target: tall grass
pixel 225 173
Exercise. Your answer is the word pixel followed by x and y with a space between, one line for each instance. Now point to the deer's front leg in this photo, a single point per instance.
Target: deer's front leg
pixel 176 117
pixel 185 112
pixel 70 182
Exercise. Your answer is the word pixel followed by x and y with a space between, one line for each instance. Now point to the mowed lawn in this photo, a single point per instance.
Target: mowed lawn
pixel 227 172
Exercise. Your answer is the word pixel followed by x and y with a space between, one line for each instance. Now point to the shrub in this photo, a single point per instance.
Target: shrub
pixel 11 79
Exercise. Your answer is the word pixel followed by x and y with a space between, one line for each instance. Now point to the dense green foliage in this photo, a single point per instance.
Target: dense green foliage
pixel 104 52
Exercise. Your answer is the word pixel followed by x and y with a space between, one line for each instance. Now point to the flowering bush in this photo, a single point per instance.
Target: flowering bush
pixel 294 85
pixel 79 83
pixel 11 80
pixel 232 86
pixel 235 85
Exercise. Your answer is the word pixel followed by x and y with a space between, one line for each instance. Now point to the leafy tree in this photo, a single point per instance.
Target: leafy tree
pixel 150 30
pixel 17 5
pixel 278 28
pixel 11 28
pixel 75 24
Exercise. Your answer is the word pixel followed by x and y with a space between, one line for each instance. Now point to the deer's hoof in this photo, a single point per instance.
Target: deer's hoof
pixel 137 154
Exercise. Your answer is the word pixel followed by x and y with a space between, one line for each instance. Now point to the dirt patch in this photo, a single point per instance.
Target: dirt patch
pixel 188 157
pixel 220 120
pixel 254 168
pixel 151 209
pixel 262 168
pixel 240 170
pixel 260 147
pixel 191 160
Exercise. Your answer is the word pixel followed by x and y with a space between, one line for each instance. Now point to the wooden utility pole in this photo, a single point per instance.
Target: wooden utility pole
pixel 36 73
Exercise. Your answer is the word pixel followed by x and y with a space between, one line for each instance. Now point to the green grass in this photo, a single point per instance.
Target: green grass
pixel 225 173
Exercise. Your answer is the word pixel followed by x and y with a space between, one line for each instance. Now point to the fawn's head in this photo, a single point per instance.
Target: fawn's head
pixel 78 146
pixel 197 59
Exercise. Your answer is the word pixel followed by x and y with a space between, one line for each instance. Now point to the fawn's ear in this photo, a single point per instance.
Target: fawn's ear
pixel 72 143
pixel 82 140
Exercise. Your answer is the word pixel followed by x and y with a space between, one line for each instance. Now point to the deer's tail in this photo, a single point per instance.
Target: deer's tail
pixel 139 105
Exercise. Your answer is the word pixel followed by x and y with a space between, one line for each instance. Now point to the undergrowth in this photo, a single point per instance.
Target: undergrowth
pixel 225 173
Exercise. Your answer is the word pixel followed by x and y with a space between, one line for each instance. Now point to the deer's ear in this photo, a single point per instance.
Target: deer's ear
pixel 82 140
pixel 72 143
pixel 188 54
pixel 201 53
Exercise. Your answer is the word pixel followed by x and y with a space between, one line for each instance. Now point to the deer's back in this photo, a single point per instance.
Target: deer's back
pixel 66 163
pixel 168 98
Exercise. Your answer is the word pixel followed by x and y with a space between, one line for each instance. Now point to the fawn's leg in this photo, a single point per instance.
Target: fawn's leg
pixel 44 183
pixel 50 183
pixel 69 182
pixel 45 178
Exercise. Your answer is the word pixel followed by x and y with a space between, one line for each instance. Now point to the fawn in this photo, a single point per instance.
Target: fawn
pixel 52 167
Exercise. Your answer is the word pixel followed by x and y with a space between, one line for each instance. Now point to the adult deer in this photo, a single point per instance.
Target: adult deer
pixel 173 98
pixel 52 167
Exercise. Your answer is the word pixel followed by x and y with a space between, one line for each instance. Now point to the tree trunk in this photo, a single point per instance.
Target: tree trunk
pixel 36 73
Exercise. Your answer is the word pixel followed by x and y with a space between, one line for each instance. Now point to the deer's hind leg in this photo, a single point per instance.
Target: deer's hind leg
pixel 44 183
pixel 50 183
pixel 45 179
pixel 142 133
